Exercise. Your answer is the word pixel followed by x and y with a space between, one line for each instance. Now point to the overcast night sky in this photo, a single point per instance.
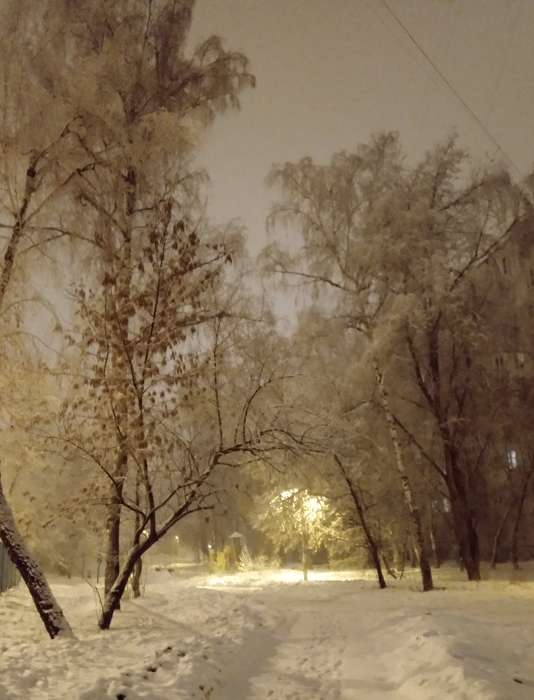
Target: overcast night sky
pixel 331 72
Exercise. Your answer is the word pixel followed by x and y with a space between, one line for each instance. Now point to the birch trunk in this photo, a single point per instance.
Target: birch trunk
pixel 422 555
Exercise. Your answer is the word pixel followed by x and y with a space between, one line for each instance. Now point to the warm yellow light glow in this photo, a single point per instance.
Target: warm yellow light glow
pixel 256 580
pixel 284 495
pixel 312 507
pixel 308 508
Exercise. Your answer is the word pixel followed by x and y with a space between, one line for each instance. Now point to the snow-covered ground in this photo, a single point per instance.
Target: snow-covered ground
pixel 268 635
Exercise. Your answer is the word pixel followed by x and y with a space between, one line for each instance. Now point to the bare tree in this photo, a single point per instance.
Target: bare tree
pixel 399 250
pixel 334 206
pixel 163 102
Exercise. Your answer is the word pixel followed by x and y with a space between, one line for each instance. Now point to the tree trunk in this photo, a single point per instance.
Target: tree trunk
pixel 399 554
pixel 517 521
pixel 112 565
pixel 136 578
pixel 375 556
pixel 113 597
pixel 372 545
pixel 498 535
pixel 463 517
pixel 389 569
pixel 31 573
pixel 437 560
pixel 113 524
pixel 424 563
pixel 113 514
pixel 305 562
pixel 120 297
pixel 401 568
pixel 138 568
pixel 50 612
pixel 137 549
pixel 455 477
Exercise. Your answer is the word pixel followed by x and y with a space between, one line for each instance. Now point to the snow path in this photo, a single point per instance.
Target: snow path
pixel 346 641
pixel 252 637
pixel 308 645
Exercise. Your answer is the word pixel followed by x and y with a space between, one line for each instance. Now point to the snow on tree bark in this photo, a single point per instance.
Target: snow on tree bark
pixel 114 596
pixel 50 612
pixel 424 562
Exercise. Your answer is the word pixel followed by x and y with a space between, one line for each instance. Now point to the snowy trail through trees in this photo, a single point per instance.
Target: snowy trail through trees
pixel 344 640
pixel 268 635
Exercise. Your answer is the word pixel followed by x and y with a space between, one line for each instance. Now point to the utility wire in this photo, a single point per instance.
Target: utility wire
pixel 451 87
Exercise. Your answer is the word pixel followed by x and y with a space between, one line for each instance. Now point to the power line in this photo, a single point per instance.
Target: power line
pixel 451 87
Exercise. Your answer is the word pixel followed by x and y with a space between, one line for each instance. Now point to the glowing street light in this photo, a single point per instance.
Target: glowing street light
pixel 304 512
pixel 313 505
